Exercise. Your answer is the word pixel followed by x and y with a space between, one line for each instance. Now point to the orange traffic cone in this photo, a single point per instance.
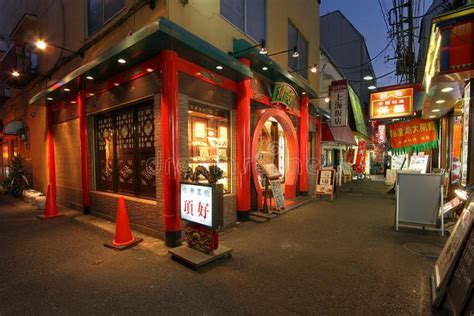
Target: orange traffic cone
pixel 51 209
pixel 123 235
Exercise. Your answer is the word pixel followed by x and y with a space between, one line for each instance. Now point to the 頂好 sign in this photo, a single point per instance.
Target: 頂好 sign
pixel 285 94
pixel 339 101
pixel 197 204
pixel 391 104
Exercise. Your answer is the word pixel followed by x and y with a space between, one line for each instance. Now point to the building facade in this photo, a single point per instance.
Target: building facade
pixel 140 91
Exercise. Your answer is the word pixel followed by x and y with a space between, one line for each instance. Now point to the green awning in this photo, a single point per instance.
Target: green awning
pixel 144 44
pixel 357 111
pixel 274 72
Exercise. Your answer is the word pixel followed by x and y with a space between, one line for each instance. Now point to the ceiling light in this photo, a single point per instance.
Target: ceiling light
pixel 49 99
pixel 327 99
pixel 67 89
pixel 116 84
pixel 121 60
pixel 72 102
pixel 432 116
pixel 15 73
pixel 91 94
pixel 440 101
pixel 368 77
pixel 219 67
pixel 264 68
pixel 303 93
pixel 447 89
pixel 149 69
pixel 314 69
pixel 371 87
pixel 41 44
pixel 435 110
pixel 90 78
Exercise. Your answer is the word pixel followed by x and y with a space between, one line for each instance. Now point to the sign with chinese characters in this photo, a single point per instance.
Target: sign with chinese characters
pixel 325 181
pixel 465 137
pixel 391 104
pixel 339 101
pixel 381 134
pixel 201 203
pixel 414 135
pixel 285 94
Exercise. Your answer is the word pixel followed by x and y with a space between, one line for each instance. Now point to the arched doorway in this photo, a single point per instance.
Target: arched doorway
pixel 291 142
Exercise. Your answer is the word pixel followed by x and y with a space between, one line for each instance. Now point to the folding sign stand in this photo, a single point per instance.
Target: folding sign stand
pixel 202 206
pixel 407 214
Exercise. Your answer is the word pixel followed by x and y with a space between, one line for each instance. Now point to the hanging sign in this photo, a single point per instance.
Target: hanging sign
pixel 339 101
pixel 414 135
pixel 284 94
pixel 391 104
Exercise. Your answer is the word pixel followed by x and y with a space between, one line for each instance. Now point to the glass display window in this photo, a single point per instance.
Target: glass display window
pixel 125 151
pixel 209 140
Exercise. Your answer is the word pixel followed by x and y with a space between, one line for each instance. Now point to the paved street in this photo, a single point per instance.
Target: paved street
pixel 338 258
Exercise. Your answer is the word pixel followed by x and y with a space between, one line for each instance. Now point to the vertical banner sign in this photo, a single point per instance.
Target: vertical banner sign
pixel 465 136
pixel 360 158
pixel 339 100
pixel 381 134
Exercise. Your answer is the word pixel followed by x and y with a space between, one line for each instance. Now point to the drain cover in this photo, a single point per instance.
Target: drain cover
pixel 424 249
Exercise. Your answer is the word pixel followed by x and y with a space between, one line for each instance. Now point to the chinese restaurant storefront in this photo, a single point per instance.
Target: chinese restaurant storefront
pixel 153 106
pixel 448 84
pixel 345 127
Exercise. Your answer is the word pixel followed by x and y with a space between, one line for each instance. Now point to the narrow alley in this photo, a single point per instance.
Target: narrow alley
pixel 341 257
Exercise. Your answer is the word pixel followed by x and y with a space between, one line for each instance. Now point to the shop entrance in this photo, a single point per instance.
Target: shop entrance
pixel 272 146
pixel 275 141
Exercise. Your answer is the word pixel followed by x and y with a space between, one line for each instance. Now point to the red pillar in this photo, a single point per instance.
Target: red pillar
pixel 303 140
pixel 81 104
pixel 51 159
pixel 319 137
pixel 170 148
pixel 243 147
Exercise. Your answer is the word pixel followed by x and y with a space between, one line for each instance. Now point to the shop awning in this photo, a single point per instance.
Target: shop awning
pixel 274 72
pixel 357 112
pixel 144 44
pixel 342 135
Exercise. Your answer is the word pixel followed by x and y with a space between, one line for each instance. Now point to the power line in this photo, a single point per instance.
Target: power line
pixel 379 77
pixel 369 61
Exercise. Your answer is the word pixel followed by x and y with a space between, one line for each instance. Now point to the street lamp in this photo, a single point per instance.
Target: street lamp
pixel 368 77
pixel 42 45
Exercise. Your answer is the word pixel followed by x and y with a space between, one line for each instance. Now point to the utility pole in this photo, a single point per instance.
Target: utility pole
pixel 400 19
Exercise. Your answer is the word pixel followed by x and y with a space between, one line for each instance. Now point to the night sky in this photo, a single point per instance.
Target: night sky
pixel 366 16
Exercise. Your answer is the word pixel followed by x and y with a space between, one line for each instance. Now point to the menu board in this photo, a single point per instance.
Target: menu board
pixel 325 181
pixel 278 195
pixel 450 253
pixel 460 286
pixel 399 162
pixel 271 171
pixel 419 163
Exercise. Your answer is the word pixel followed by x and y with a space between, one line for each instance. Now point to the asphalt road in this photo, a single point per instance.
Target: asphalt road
pixel 333 258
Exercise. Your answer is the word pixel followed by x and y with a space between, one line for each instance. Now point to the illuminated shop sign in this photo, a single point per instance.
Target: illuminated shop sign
pixel 339 103
pixel 391 104
pixel 284 93
pixel 196 203
pixel 202 203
